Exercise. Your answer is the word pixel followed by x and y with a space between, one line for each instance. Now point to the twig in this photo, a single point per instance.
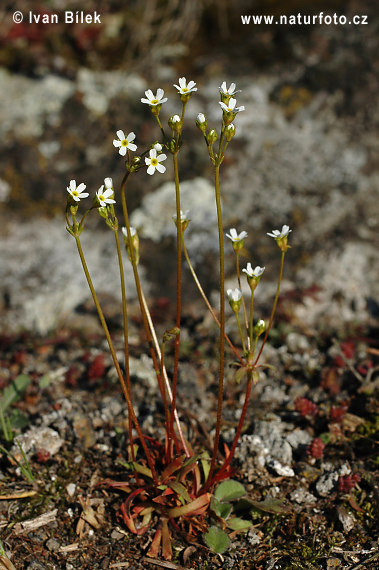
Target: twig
pixel 163 564
pixel 364 564
pixel 13 496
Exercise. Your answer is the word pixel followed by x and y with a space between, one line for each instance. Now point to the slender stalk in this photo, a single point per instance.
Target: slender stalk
pixel 273 308
pixel 242 299
pixel 126 340
pixel 178 296
pixel 240 424
pixel 115 361
pixel 165 377
pixel 241 333
pixel 205 299
pixel 148 324
pixel 251 320
pixel 222 330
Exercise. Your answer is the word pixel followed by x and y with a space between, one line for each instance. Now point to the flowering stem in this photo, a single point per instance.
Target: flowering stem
pixel 126 343
pixel 242 299
pixel 148 324
pixel 115 362
pixel 202 293
pixel 241 333
pixel 165 377
pixel 178 294
pixel 240 424
pixel 251 320
pixel 222 330
pixel 273 308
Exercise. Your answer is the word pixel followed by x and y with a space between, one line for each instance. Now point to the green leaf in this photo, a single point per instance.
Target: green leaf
pixel 216 539
pixel 17 419
pixel 275 506
pixel 229 490
pixel 238 524
pixel 14 391
pixel 44 381
pixel 180 490
pixel 222 510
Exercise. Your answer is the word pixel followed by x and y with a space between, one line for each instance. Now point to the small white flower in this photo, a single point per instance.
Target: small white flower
pixel 158 147
pixel 234 295
pixel 234 236
pixel 201 118
pixel 133 231
pixel 231 106
pixel 256 272
pixel 276 234
pixel 104 196
pixel 154 162
pixel 154 100
pixel 184 88
pixel 77 191
pixel 125 143
pixel 231 91
pixel 175 119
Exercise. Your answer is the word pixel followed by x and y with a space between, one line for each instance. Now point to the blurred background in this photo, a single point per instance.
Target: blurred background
pixel 305 153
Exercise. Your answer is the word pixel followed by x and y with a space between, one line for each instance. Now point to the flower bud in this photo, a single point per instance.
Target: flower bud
pixel 234 297
pixel 175 123
pixel 212 137
pixel 184 219
pixel 259 328
pixel 230 131
pixel 201 123
pixel 132 242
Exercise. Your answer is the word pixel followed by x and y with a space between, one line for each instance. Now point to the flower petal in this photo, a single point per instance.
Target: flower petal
pixel 161 168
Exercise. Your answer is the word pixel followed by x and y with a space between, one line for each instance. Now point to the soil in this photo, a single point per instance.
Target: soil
pixel 323 515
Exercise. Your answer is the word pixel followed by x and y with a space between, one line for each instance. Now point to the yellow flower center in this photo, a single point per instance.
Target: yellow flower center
pixel 101 198
pixel 154 162
pixel 124 142
pixel 185 89
pixel 75 193
pixel 154 101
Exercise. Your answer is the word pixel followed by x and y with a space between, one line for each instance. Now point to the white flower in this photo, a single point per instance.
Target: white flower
pixel 77 191
pixel 276 234
pixel 133 231
pixel 175 119
pixel 231 91
pixel 104 196
pixel 124 142
pixel 201 118
pixel 234 295
pixel 231 106
pixel 256 272
pixel 158 147
pixel 154 162
pixel 185 87
pixel 152 100
pixel 234 236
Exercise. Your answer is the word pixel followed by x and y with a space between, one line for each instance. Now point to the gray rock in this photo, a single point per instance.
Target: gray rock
pixel 302 496
pixel 37 438
pixel 326 483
